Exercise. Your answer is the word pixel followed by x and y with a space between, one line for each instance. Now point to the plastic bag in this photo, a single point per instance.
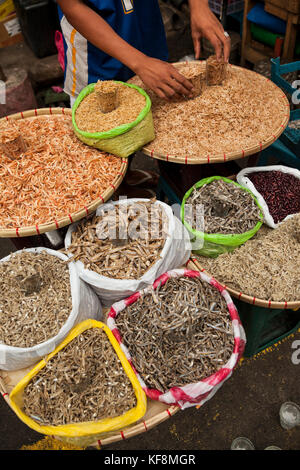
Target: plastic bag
pixel 85 305
pixel 176 252
pixel 83 433
pixel 244 181
pixel 196 393
pixel 213 245
pixel 123 140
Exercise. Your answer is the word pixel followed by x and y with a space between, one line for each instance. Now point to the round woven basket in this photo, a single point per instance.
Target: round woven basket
pixel 194 264
pixel 156 412
pixel 224 157
pixel 68 218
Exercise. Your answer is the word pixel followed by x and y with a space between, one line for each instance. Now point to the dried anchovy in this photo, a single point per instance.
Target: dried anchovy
pixel 119 253
pixel 178 334
pixel 35 298
pixel 266 267
pixel 85 381
pixel 227 209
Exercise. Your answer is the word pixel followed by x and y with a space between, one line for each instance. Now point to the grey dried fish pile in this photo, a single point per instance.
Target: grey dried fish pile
pixel 85 381
pixel 266 267
pixel 35 298
pixel 123 243
pixel 179 334
pixel 227 209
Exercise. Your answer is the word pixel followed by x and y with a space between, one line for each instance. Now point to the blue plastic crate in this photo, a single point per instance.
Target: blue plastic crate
pixel 290 137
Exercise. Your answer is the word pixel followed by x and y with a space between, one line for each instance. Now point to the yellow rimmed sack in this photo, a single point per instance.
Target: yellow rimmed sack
pixel 83 433
pixel 123 140
pixel 6 8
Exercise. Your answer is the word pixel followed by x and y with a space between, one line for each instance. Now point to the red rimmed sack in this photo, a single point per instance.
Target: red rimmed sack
pixel 199 392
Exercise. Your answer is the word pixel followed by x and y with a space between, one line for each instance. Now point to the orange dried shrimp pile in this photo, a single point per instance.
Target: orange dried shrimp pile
pixel 56 176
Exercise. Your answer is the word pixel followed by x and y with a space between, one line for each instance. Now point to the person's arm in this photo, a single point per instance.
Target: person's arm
pixel 159 76
pixel 204 23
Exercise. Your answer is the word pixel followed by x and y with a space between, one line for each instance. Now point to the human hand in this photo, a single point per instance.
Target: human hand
pixel 164 79
pixel 205 24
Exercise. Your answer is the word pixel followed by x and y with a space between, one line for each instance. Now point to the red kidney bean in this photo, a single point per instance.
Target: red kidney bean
pixel 281 191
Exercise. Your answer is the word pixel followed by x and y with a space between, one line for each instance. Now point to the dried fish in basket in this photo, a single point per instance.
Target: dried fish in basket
pixel 41 299
pixel 220 215
pixel 86 387
pixel 126 246
pixel 123 130
pixel 266 269
pixel 183 336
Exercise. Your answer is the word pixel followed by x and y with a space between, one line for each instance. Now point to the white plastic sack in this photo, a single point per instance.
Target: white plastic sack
pixel 176 252
pixel 86 305
pixel 244 181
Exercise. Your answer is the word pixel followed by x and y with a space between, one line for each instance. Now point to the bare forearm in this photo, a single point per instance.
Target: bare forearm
pixel 195 3
pixel 98 32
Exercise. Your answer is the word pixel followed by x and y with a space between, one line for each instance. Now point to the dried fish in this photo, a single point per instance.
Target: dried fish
pixel 122 243
pixel 178 334
pixel 227 208
pixel 114 111
pixel 266 267
pixel 85 381
pixel 35 298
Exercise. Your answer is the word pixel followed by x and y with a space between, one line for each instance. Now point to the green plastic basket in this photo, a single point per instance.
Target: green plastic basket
pixel 213 245
pixel 122 140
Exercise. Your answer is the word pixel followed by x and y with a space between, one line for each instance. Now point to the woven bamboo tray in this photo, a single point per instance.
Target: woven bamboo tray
pixel 156 412
pixel 68 218
pixel 223 156
pixel 194 264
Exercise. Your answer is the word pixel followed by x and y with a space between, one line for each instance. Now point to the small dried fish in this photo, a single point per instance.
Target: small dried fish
pixel 178 334
pixel 85 381
pixel 266 267
pixel 227 208
pixel 35 298
pixel 122 243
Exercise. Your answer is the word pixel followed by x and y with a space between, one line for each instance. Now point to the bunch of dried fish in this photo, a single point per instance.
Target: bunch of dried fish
pixel 265 267
pixel 223 120
pixel 122 243
pixel 84 381
pixel 225 209
pixel 178 334
pixel 35 298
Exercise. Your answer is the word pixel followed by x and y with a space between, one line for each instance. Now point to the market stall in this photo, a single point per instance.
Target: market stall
pixel 168 337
